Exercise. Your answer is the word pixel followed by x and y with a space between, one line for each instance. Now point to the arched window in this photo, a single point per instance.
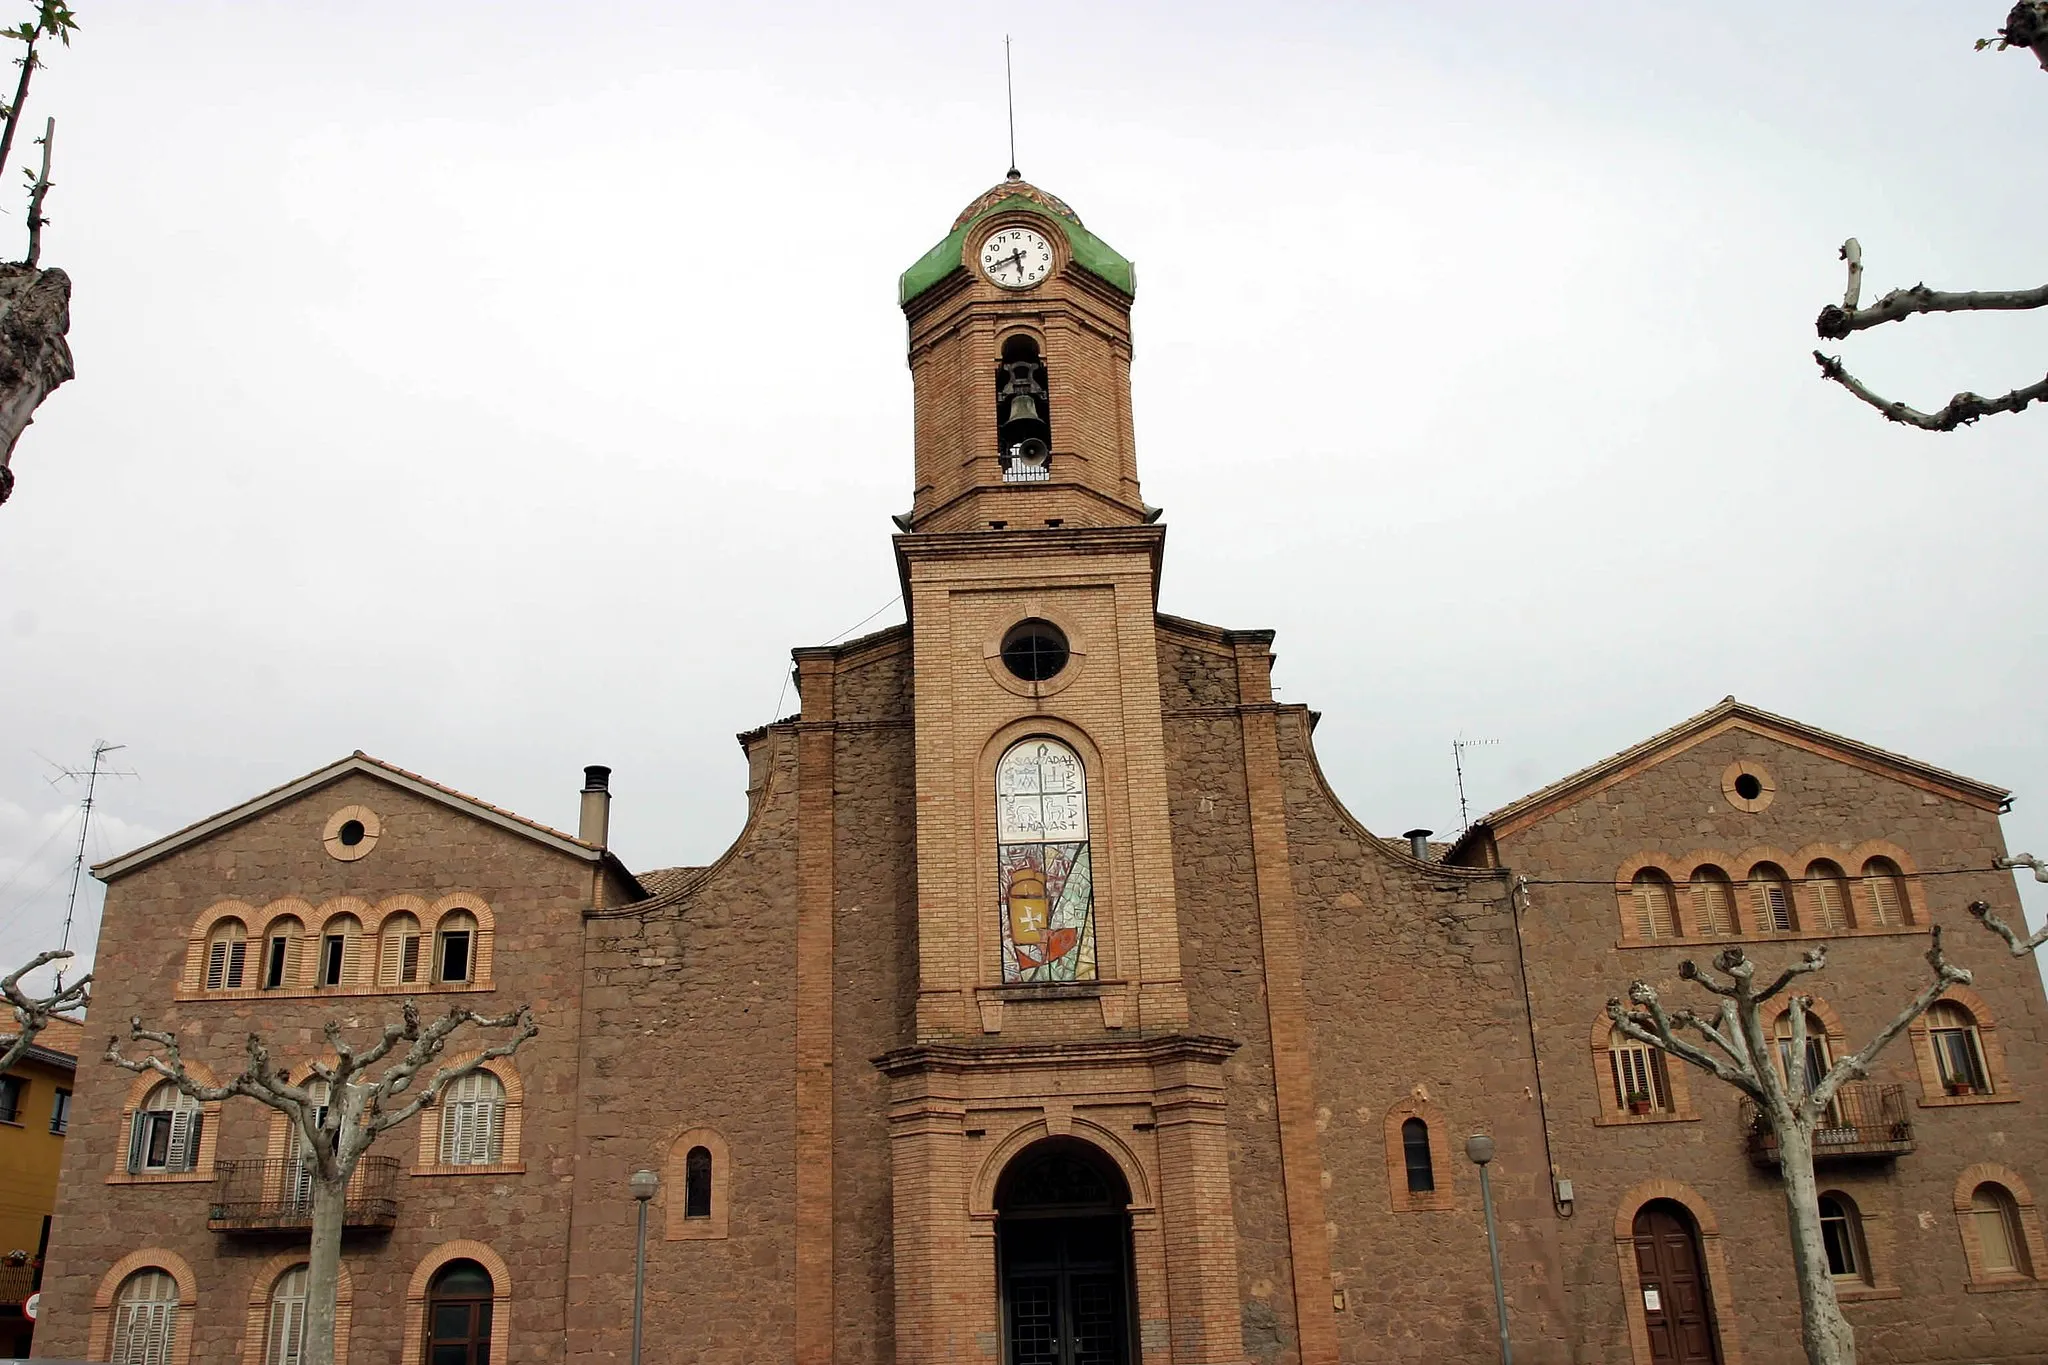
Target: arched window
pixel 2001 1240
pixel 1713 902
pixel 1886 888
pixel 285 1337
pixel 1830 894
pixel 697 1183
pixel 146 1318
pixel 1641 1084
pixel 1023 413
pixel 1958 1049
pixel 473 1121
pixel 1043 876
pixel 1656 906
pixel 163 1137
pixel 455 948
pixel 1415 1153
pixel 1770 898
pixel 341 951
pixel 459 1315
pixel 1841 1235
pixel 1819 1057
pixel 227 951
pixel 281 953
pixel 398 951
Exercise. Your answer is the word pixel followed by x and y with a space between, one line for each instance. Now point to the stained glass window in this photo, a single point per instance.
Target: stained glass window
pixel 1044 882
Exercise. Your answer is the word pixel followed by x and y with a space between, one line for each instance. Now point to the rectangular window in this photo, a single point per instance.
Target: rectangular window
pixel 455 955
pixel 333 951
pixel 165 1140
pixel 1955 1049
pixel 11 1090
pixel 1639 1078
pixel 274 962
pixel 60 1112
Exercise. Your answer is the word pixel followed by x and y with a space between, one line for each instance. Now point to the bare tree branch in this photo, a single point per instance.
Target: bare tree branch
pixel 31 1015
pixel 2026 27
pixel 1991 920
pixel 1852 252
pixel 1960 410
pixel 1835 323
pixel 1814 959
pixel 1856 1067
pixel 1649 1024
pixel 428 1046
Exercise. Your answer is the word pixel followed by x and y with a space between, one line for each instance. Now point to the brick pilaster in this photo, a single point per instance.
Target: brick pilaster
pixel 816 746
pixel 1301 1165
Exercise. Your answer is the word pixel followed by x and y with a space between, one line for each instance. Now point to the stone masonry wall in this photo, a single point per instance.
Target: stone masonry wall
pixel 1920 1308
pixel 537 896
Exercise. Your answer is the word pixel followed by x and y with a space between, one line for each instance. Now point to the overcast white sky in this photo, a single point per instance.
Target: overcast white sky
pixel 500 388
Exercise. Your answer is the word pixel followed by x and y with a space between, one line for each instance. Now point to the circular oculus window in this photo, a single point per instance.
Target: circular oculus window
pixel 351 833
pixel 1748 786
pixel 1035 650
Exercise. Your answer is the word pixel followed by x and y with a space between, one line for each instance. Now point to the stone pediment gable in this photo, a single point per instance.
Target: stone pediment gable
pixel 321 778
pixel 1730 716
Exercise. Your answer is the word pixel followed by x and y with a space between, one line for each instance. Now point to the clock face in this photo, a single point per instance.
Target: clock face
pixel 1016 258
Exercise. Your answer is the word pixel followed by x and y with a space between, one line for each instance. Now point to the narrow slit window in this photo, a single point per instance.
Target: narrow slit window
pixel 697 1183
pixel 1415 1156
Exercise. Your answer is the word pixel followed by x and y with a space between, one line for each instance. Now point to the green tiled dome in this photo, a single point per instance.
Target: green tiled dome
pixel 1091 253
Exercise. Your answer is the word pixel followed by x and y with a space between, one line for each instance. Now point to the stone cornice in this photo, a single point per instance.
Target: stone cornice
pixel 965 1057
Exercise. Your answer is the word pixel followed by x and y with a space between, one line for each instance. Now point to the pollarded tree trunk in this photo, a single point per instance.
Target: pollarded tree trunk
pixel 1822 1328
pixel 35 315
pixel 323 1269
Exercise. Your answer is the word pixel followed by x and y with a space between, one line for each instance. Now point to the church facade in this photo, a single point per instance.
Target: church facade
pixel 1050 1008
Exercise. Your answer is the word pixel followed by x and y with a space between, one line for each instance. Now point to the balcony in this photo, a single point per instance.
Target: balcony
pixel 17 1282
pixel 277 1196
pixel 1866 1122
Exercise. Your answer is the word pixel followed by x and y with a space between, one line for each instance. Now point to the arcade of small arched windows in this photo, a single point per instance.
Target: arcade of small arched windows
pixel 1818 892
pixel 403 945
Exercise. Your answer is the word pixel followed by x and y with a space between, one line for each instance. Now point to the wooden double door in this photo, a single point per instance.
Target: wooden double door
pixel 1673 1276
pixel 1066 1290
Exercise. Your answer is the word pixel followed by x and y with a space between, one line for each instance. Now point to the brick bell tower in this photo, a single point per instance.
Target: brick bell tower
pixel 1060 1171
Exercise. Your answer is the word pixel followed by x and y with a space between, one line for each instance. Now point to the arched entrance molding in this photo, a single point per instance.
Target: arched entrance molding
pixel 1712 1259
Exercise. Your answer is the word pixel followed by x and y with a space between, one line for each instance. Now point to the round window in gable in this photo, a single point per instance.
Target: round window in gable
pixel 1748 785
pixel 351 833
pixel 1035 650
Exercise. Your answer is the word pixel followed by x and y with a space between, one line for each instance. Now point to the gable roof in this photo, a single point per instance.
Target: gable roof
pixel 357 762
pixel 1731 714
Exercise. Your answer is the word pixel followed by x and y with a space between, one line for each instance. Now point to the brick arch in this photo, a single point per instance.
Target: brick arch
pixel 1645 860
pixel 1714 1262
pixel 414 1328
pixel 209 1131
pixel 486 922
pixel 1990 1043
pixel 1600 1044
pixel 193 977
pixel 676 1226
pixel 981 1199
pixel 1990 1172
pixel 331 910
pixel 256 1329
pixel 100 1333
pixel 1830 1018
pixel 289 907
pixel 1852 861
pixel 1625 891
pixel 1442 1168
pixel 1732 868
pixel 427 1160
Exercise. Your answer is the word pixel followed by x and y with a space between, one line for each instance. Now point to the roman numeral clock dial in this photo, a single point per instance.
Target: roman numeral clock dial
pixel 1016 258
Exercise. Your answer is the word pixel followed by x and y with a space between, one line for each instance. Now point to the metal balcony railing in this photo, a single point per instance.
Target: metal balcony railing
pixel 1865 1121
pixel 1016 471
pixel 17 1282
pixel 276 1196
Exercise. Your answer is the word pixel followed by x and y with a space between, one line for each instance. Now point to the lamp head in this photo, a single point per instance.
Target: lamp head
pixel 644 1184
pixel 1479 1147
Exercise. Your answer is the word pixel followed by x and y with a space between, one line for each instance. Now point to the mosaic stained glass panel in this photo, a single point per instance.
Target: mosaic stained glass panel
pixel 1044 880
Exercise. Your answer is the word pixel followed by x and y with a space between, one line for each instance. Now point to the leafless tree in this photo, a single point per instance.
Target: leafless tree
pixel 2026 27
pixel 35 304
pixel 337 1111
pixel 31 1013
pixel 1735 1045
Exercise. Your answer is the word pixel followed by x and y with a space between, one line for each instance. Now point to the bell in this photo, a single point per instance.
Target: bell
pixel 1023 408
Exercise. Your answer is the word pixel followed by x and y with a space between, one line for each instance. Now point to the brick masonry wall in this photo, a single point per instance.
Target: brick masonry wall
pixel 1676 809
pixel 537 896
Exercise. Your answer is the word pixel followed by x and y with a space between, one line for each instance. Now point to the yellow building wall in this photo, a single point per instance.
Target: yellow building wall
pixel 30 1154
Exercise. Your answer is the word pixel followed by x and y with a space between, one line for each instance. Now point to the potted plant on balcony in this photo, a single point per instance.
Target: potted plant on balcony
pixel 1638 1102
pixel 1960 1089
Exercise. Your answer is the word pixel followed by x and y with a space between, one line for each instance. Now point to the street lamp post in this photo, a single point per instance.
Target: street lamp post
pixel 645 1183
pixel 1479 1148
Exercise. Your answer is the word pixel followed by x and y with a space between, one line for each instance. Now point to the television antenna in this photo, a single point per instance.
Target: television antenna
pixel 91 776
pixel 1458 748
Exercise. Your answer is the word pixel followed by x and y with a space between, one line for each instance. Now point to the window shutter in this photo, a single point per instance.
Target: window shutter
pixel 409 960
pixel 238 956
pixel 351 957
pixel 138 1130
pixel 181 1141
pixel 291 960
pixel 216 965
pixel 387 957
pixel 494 1141
pixel 451 1134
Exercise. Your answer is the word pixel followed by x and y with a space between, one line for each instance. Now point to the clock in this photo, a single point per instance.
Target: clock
pixel 1016 257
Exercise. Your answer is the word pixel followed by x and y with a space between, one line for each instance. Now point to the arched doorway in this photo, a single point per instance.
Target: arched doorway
pixel 1063 1239
pixel 1676 1306
pixel 459 1315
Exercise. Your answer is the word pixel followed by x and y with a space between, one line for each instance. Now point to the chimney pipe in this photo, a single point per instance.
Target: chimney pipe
pixel 1418 843
pixel 596 825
